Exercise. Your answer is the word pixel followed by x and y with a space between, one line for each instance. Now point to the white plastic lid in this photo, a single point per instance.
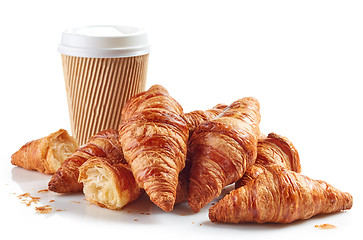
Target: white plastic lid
pixel 104 41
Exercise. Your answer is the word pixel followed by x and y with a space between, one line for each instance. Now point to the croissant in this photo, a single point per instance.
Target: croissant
pixel 154 141
pixel 45 154
pixel 221 150
pixel 108 184
pixel 274 149
pixel 193 119
pixel 279 195
pixel 102 144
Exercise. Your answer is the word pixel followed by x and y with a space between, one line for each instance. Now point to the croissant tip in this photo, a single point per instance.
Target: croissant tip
pixel 195 200
pixel 57 184
pixel 166 204
pixel 211 215
pixel 167 207
pixel 13 162
pixel 60 187
pixel 195 205
pixel 349 201
pixel 54 187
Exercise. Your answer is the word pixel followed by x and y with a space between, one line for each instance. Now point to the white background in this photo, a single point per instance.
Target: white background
pixel 301 59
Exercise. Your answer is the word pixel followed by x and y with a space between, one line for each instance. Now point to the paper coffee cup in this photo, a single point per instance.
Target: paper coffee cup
pixel 103 67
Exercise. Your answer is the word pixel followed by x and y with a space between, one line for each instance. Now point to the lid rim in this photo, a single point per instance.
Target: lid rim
pixel 78 42
pixel 103 53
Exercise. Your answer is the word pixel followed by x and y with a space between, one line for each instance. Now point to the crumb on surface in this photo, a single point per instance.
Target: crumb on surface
pixel 44 209
pixel 325 226
pixel 145 213
pixel 44 190
pixel 27 199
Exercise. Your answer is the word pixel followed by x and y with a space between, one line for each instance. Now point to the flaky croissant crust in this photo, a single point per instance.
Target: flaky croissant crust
pixel 154 138
pixel 273 149
pixel 157 97
pixel 278 149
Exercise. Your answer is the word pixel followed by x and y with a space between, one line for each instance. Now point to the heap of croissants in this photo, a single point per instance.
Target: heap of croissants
pixel 175 157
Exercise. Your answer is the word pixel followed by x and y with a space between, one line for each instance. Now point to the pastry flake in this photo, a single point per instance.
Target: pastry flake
pixel 325 226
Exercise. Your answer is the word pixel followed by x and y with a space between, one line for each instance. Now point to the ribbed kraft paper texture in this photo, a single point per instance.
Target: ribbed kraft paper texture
pixel 97 89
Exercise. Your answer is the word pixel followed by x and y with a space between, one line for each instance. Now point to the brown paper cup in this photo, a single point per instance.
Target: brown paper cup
pixel 97 89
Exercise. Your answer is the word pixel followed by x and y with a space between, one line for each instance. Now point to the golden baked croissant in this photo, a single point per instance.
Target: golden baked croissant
pixel 193 119
pixel 154 138
pixel 102 144
pixel 279 195
pixel 46 154
pixel 274 149
pixel 108 184
pixel 221 150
